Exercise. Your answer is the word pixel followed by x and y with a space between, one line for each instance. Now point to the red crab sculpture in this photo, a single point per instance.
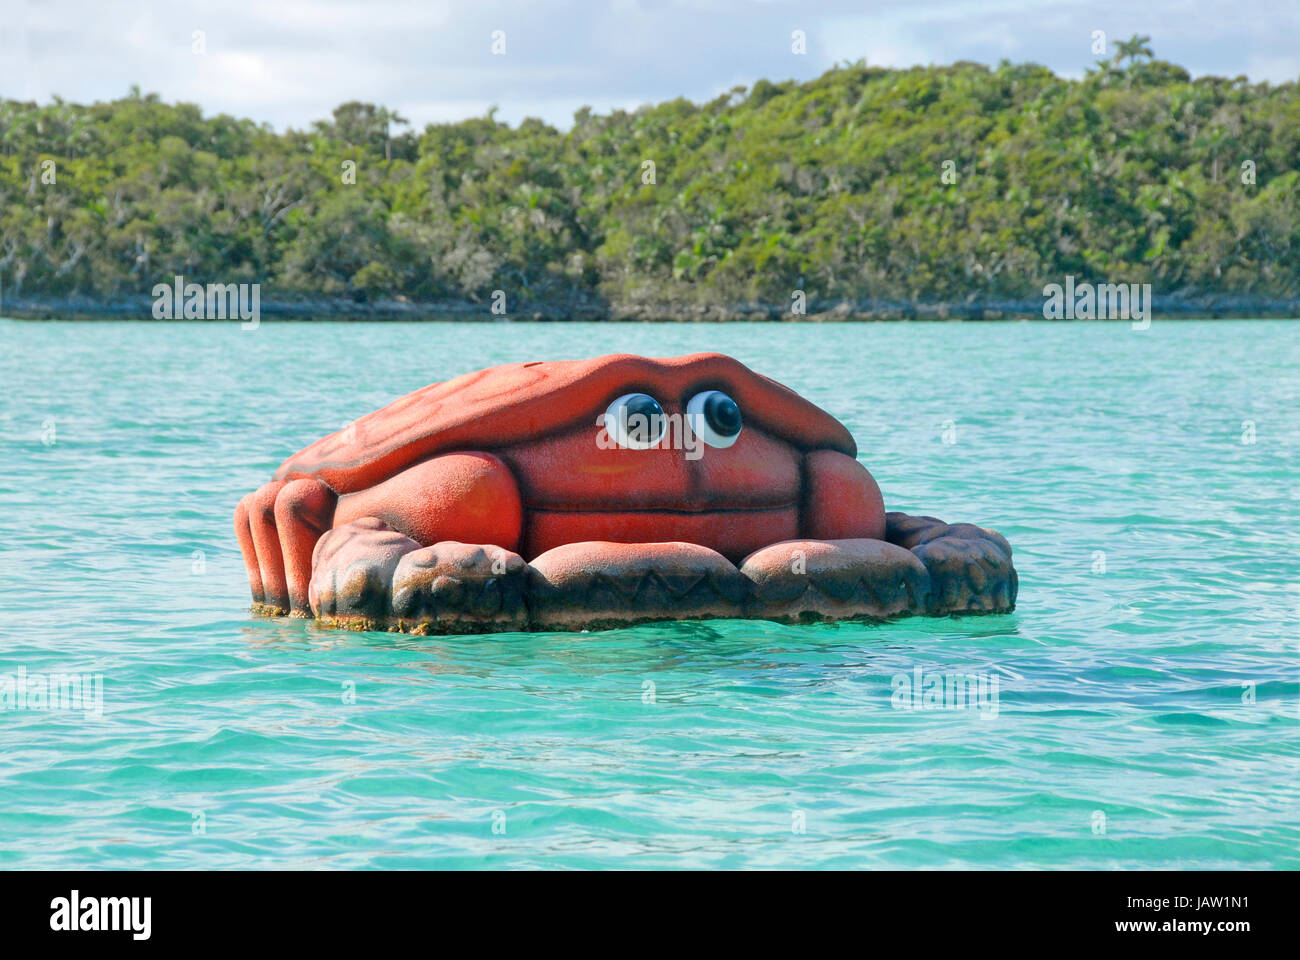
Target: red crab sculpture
pixel 597 493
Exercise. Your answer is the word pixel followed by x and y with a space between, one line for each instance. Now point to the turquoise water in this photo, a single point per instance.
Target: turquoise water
pixel 1147 715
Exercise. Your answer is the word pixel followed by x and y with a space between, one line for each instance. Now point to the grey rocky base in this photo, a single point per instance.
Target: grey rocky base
pixel 367 576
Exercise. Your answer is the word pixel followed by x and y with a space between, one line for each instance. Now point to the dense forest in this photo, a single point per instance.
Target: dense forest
pixel 958 185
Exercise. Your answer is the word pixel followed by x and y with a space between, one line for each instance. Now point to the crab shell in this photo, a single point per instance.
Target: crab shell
pixel 509 460
pixel 540 420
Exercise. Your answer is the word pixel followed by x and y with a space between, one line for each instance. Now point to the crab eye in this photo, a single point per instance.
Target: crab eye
pixel 636 421
pixel 715 418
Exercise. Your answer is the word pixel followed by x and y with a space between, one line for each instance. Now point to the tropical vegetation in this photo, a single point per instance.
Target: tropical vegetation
pixel 949 184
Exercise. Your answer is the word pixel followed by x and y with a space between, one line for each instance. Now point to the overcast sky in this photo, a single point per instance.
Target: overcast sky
pixel 288 62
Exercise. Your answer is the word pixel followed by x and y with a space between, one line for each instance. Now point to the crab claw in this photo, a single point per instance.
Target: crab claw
pixel 970 566
pixel 597 584
pixel 801 580
pixel 368 576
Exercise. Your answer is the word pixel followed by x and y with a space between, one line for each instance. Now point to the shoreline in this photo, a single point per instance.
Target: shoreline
pixel 307 309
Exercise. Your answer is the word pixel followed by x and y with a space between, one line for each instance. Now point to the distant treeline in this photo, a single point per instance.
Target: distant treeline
pixel 961 184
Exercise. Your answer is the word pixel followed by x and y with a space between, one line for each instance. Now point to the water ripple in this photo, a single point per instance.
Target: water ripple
pixel 1148 699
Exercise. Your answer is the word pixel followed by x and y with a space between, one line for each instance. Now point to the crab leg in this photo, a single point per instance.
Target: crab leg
pixel 244 534
pixel 304 509
pixel 260 545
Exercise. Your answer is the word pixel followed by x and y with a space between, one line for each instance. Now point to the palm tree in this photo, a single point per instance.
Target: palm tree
pixel 1132 48
pixel 1106 70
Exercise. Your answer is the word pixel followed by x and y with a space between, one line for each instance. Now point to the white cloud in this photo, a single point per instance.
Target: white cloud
pixel 1274 69
pixel 289 63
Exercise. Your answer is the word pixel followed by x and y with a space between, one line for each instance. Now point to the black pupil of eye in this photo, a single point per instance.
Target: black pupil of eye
pixel 722 414
pixel 647 409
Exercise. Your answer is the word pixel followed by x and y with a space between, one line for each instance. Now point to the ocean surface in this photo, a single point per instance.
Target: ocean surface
pixel 1141 707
